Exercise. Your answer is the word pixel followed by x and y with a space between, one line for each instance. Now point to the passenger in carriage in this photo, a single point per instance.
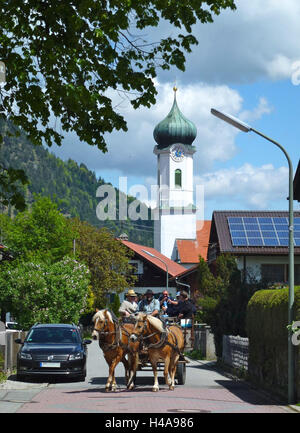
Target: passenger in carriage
pixel 186 307
pixel 129 306
pixel 172 307
pixel 149 305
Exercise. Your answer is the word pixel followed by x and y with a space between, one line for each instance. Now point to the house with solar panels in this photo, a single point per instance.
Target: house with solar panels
pixel 259 240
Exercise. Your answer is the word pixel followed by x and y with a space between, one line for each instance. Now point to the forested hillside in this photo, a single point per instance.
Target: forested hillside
pixel 71 185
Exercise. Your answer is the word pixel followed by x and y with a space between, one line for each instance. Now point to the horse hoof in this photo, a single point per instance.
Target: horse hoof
pixel 154 389
pixel 171 388
pixel 107 389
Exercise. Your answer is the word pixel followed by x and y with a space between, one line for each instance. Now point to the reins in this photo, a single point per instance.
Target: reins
pixel 163 339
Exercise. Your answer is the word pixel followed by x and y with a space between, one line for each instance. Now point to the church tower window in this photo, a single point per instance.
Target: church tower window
pixel 178 178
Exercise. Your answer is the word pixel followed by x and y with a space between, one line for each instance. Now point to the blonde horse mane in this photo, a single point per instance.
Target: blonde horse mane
pixel 101 315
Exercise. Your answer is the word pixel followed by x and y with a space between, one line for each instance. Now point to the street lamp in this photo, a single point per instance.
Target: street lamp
pixel 246 128
pixel 152 255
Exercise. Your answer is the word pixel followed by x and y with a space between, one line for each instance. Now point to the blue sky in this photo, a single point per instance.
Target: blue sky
pixel 246 64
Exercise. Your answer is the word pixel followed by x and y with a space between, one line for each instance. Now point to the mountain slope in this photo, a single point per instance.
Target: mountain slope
pixel 71 185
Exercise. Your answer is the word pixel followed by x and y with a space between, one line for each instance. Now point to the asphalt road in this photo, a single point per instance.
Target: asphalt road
pixel 205 391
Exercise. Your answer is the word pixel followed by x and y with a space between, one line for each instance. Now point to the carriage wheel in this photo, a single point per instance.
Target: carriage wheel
pixel 181 373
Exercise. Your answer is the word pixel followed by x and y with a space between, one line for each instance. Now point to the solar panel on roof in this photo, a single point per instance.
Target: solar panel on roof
pixel 255 242
pixel 250 220
pixel 271 242
pixel 235 220
pixel 239 242
pixel 280 220
pixel 265 220
pixel 284 242
pixel 262 231
pixel 253 234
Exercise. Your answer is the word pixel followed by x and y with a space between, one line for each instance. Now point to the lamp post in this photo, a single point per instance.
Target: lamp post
pixel 246 128
pixel 152 255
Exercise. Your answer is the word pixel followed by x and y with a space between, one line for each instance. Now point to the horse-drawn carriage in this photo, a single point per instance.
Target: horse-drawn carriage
pixel 148 342
pixel 187 327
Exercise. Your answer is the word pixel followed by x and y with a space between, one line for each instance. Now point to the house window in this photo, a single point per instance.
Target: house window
pixel 137 267
pixel 273 273
pixel 178 178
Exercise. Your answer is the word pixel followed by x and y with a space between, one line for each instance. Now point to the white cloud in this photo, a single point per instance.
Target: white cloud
pixel 131 152
pixel 261 39
pixel 253 187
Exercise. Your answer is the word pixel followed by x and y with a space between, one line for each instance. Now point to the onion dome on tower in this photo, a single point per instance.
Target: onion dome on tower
pixel 175 128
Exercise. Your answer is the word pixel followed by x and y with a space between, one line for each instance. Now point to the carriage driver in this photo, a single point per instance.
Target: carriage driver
pixel 129 306
pixel 149 305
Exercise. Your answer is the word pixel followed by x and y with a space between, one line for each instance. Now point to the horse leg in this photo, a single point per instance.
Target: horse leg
pixel 166 371
pixel 110 378
pixel 173 366
pixel 133 360
pixel 126 367
pixel 154 368
pixel 114 364
pixel 111 381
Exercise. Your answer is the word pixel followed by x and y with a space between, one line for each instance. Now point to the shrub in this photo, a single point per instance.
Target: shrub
pixel 267 320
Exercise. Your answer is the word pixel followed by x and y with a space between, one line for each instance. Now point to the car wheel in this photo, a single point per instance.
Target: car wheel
pixel 20 377
pixel 181 373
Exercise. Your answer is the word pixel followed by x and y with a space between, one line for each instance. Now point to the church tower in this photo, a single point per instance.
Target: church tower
pixel 175 213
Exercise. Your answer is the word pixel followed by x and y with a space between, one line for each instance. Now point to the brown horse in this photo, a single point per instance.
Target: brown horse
pixel 114 342
pixel 163 345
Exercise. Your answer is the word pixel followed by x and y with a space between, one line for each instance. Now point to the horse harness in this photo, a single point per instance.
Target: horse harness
pixel 118 342
pixel 162 342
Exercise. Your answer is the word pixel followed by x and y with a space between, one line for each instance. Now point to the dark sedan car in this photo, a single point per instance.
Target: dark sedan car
pixel 52 349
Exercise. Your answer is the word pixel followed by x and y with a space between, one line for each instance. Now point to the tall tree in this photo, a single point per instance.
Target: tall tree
pixel 63 57
pixel 41 231
pixel 106 258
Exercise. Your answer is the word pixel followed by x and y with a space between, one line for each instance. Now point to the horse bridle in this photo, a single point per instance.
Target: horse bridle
pixel 162 341
pixel 102 334
pixel 141 338
pixel 118 332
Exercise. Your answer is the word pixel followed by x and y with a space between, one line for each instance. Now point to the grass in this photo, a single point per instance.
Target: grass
pixel 195 354
pixel 3 376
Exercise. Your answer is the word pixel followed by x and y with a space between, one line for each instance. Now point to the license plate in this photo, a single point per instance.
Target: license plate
pixel 50 364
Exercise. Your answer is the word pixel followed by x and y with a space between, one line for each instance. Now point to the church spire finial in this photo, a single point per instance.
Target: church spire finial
pixel 175 90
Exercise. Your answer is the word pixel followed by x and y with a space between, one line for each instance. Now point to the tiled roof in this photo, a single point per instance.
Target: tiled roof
pixel 190 250
pixel 220 233
pixel 173 267
pixel 188 271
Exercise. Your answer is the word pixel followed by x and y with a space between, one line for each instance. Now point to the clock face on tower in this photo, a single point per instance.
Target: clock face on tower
pixel 177 153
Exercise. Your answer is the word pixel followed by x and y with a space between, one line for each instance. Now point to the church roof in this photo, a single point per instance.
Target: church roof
pixel 175 128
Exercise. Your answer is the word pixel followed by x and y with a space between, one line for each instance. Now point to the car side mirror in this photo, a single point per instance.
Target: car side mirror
pixel 18 341
pixel 87 341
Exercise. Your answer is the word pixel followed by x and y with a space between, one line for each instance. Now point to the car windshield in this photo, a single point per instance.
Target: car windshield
pixel 54 335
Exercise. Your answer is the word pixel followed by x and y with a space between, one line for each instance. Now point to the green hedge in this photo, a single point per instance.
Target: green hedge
pixel 267 320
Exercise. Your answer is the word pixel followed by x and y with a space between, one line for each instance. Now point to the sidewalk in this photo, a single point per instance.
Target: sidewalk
pixel 264 394
pixel 14 394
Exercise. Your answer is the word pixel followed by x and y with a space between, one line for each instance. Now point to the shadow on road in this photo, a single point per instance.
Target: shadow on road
pixel 239 388
pixel 43 379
